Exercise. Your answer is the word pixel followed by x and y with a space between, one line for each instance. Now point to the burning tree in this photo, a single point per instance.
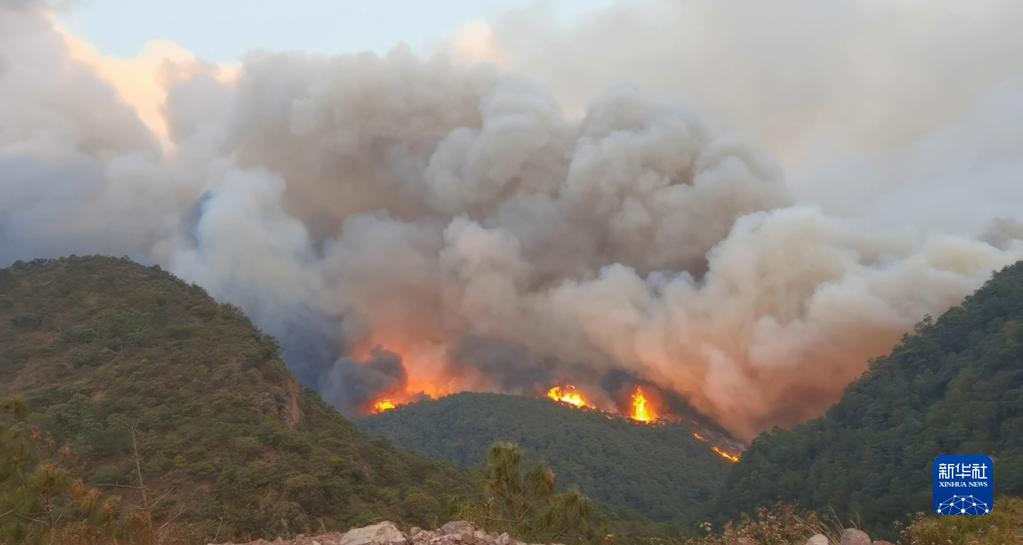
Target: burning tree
pixel 642 410
pixel 568 394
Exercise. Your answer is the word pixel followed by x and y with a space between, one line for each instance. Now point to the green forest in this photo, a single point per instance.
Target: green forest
pixel 228 441
pixel 132 404
pixel 660 471
pixel 953 385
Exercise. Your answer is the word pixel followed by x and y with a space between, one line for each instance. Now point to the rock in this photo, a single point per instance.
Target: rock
pixel 746 541
pixel 458 527
pixel 852 536
pixel 819 539
pixel 422 537
pixel 384 533
pixel 333 538
pixel 457 532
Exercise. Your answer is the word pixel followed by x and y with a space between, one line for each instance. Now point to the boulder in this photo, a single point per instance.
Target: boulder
pixel 883 542
pixel 852 536
pixel 422 537
pixel 458 527
pixel 333 538
pixel 384 533
pixel 818 539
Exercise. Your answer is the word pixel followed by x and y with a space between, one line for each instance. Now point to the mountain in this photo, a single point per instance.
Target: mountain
pixel 660 471
pixel 952 386
pixel 229 443
pixel 109 355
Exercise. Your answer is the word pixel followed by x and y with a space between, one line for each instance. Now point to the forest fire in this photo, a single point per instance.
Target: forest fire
pixel 734 458
pixel 642 410
pixel 382 406
pixel 568 394
pixel 644 406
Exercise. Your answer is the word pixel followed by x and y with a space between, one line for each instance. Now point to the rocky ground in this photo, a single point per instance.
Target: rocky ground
pixel 386 533
pixel 850 536
pixel 465 533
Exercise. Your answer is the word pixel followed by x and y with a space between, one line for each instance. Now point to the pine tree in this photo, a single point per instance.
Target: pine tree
pixel 41 499
pixel 527 505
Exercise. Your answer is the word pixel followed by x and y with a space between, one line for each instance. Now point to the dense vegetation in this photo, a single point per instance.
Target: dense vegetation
pixel 954 385
pixel 42 498
pixel 229 444
pixel 525 503
pixel 142 405
pixel 659 471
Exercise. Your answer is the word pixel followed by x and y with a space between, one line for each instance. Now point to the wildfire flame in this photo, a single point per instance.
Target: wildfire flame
pixel 642 411
pixel 569 395
pixel 383 405
pixel 734 458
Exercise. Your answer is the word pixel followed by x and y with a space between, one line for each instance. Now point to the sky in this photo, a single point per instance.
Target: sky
pixel 223 30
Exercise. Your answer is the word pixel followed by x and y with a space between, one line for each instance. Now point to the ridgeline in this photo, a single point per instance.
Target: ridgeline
pixel 659 471
pixel 952 386
pixel 229 443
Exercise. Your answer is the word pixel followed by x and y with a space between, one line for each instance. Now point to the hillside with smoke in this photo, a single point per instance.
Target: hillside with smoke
pixel 411 225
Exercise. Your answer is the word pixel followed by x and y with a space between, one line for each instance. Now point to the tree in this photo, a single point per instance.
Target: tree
pixel 526 504
pixel 41 498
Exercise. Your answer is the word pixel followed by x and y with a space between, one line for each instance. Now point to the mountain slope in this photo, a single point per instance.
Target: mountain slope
pixel 954 385
pixel 661 472
pixel 228 439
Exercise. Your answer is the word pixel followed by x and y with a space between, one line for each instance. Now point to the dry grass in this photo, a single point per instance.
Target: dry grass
pixel 781 524
pixel 1003 526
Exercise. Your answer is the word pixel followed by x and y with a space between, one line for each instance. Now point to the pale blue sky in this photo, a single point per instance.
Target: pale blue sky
pixel 222 30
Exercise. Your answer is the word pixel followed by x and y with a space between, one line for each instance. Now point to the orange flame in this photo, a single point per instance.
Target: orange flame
pixel 383 405
pixel 642 410
pixel 568 395
pixel 698 437
pixel 734 458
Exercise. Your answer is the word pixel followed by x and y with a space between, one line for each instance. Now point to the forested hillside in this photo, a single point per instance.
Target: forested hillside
pixel 662 472
pixel 229 443
pixel 954 385
pixel 123 363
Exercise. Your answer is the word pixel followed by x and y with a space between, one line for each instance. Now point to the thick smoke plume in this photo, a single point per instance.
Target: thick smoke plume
pixel 411 224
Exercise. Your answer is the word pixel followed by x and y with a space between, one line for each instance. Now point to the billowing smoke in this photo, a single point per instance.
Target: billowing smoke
pixel 411 225
pixel 359 383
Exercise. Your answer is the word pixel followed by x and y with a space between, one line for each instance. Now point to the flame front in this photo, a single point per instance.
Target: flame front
pixel 734 458
pixel 383 405
pixel 569 395
pixel 642 411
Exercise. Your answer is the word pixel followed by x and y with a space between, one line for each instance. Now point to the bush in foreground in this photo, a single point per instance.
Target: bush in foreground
pixel 1004 525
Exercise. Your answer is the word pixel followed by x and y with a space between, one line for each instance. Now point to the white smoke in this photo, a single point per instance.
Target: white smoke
pixel 452 214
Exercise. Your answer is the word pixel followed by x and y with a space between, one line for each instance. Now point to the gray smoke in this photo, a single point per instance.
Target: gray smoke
pixel 355 385
pixel 407 223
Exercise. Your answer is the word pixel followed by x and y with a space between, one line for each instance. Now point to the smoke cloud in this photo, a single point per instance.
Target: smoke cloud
pixel 413 224
pixel 358 384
